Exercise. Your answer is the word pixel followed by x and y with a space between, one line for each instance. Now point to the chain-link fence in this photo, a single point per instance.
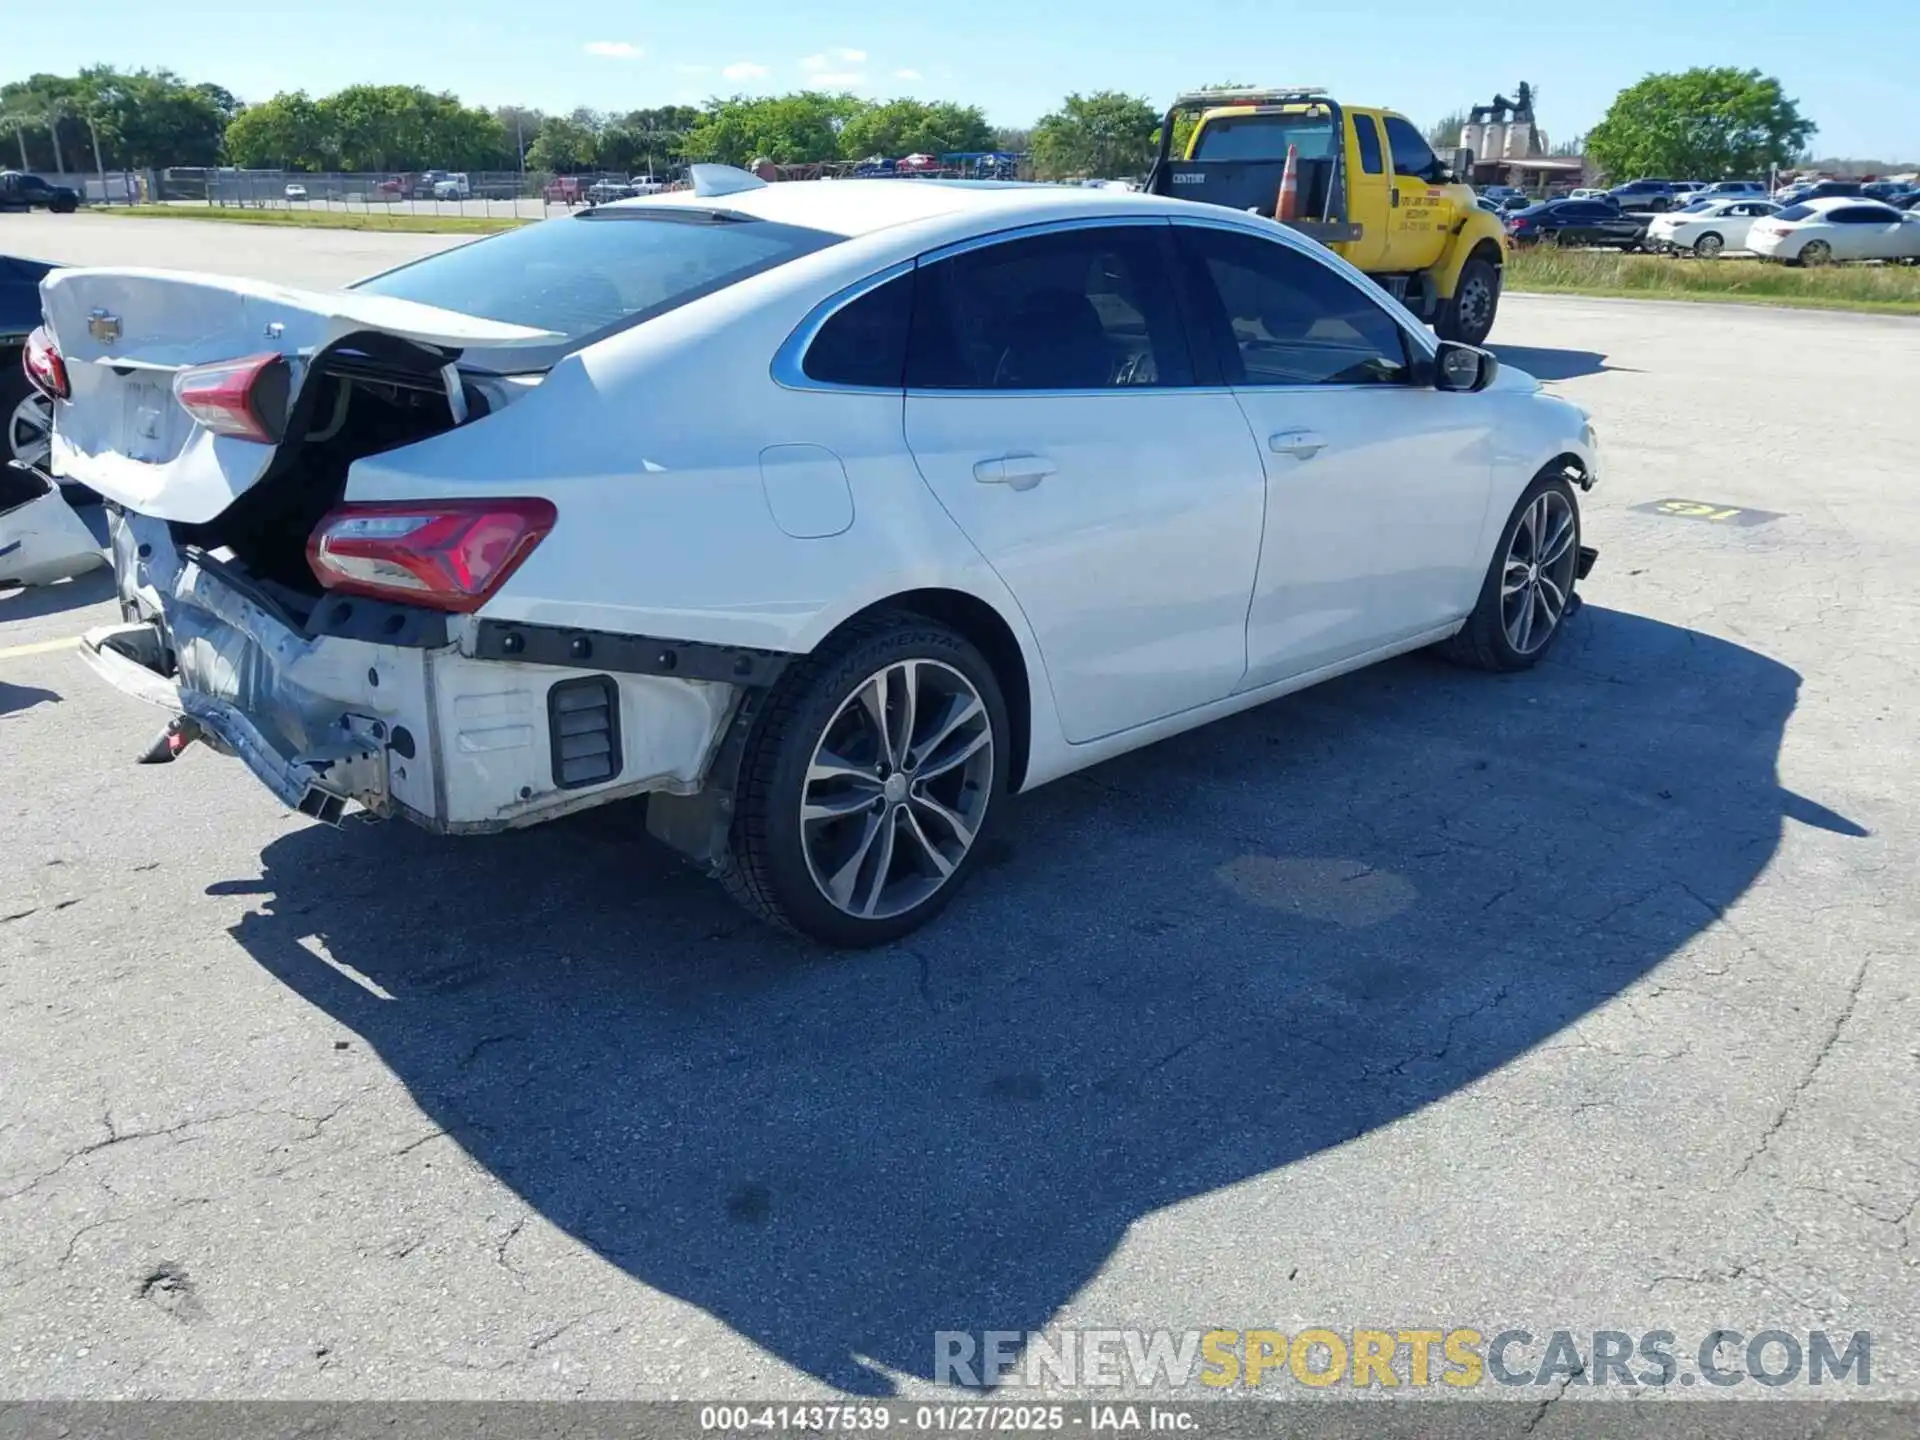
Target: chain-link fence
pixel 487 194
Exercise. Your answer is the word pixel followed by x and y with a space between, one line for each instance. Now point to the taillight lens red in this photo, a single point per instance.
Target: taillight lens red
pixel 244 398
pixel 448 554
pixel 43 365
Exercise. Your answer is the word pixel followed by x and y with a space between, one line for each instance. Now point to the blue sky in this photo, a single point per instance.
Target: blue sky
pixel 1851 63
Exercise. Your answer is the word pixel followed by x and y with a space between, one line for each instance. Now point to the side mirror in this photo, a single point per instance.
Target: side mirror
pixel 1462 367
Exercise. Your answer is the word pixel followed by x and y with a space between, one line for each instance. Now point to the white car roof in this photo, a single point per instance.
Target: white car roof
pixel 860 207
pixel 1834 202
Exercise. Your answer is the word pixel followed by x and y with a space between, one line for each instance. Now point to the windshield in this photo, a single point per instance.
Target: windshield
pixel 591 274
pixel 1265 137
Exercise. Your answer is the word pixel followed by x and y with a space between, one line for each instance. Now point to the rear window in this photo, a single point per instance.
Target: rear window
pixel 1265 137
pixel 589 275
pixel 1796 212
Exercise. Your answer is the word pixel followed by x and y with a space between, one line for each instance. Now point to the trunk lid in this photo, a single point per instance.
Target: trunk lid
pixel 125 333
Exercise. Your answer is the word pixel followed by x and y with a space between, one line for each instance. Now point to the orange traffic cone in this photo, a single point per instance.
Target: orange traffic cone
pixel 1289 200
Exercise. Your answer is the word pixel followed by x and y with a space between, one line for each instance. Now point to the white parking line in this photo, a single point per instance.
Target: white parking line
pixel 39 647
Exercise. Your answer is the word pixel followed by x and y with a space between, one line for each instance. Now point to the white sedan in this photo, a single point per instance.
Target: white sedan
pixel 296 192
pixel 1710 228
pixel 1839 227
pixel 827 517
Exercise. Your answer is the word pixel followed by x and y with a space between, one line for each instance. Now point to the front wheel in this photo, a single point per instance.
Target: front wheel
pixel 868 782
pixel 1468 316
pixel 1528 590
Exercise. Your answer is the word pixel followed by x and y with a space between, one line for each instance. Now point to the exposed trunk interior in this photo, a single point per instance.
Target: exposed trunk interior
pixel 370 394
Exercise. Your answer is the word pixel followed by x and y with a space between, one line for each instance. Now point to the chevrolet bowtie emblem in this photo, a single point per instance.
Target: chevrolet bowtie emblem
pixel 103 326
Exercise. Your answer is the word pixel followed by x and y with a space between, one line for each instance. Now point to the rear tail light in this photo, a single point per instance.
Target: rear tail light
pixel 246 399
pixel 449 554
pixel 43 365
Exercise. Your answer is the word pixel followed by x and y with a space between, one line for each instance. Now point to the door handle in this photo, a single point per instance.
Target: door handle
pixel 1301 444
pixel 1022 472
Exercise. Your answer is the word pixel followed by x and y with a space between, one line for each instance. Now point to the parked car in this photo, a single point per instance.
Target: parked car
pixel 563 190
pixel 1816 190
pixel 22 191
pixel 910 505
pixel 1840 227
pixel 42 538
pixel 295 192
pixel 1588 192
pixel 28 413
pixel 1883 189
pixel 1654 195
pixel 1729 189
pixel 1575 222
pixel 602 191
pixel 1905 200
pixel 1505 196
pixel 1709 227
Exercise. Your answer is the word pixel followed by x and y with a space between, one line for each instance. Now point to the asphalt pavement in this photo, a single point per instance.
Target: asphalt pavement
pixel 1576 1000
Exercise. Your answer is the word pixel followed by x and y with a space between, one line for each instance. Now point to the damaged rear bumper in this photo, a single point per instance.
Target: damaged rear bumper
pixel 431 730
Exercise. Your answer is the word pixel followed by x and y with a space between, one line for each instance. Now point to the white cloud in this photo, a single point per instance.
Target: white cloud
pixel 828 58
pixel 746 70
pixel 613 49
pixel 908 75
pixel 839 79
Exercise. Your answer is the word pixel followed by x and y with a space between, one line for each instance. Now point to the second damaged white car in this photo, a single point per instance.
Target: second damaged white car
pixel 824 516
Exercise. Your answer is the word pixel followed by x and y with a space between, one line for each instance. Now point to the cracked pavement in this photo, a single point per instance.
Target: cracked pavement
pixel 1580 1000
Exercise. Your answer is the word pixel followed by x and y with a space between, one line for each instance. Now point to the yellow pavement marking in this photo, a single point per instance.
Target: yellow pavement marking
pixel 39 647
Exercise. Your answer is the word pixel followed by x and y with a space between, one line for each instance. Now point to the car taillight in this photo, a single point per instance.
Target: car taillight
pixel 43 365
pixel 448 554
pixel 244 398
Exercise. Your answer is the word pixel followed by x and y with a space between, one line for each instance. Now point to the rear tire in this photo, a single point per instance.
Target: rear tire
pixel 859 814
pixel 1537 559
pixel 1470 311
pixel 1814 252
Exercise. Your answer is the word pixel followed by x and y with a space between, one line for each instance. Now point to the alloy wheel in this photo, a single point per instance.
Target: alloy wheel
pixel 30 431
pixel 897 788
pixel 1537 578
pixel 1708 246
pixel 1816 252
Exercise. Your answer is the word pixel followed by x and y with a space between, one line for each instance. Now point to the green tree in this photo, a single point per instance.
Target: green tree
pixel 1444 134
pixel 1104 134
pixel 786 129
pixel 915 127
pixel 1704 124
pixel 286 132
pixel 563 146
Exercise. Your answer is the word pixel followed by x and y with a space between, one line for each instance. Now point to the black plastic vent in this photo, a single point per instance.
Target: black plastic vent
pixel 583 726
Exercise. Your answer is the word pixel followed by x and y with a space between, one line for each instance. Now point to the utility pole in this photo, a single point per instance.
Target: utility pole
pixel 53 129
pixel 98 168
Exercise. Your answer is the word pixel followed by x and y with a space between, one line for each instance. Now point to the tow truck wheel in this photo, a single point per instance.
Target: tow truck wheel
pixel 1468 317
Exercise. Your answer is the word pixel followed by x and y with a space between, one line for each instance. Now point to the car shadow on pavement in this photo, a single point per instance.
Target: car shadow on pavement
pixel 29 602
pixel 1549 363
pixel 14 698
pixel 1183 969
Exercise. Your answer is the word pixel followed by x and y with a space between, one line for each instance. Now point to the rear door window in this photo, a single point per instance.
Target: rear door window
pixel 1278 317
pixel 1368 137
pixel 864 343
pixel 1090 308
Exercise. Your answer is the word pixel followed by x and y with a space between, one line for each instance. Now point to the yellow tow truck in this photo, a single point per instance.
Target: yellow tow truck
pixel 1370 188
